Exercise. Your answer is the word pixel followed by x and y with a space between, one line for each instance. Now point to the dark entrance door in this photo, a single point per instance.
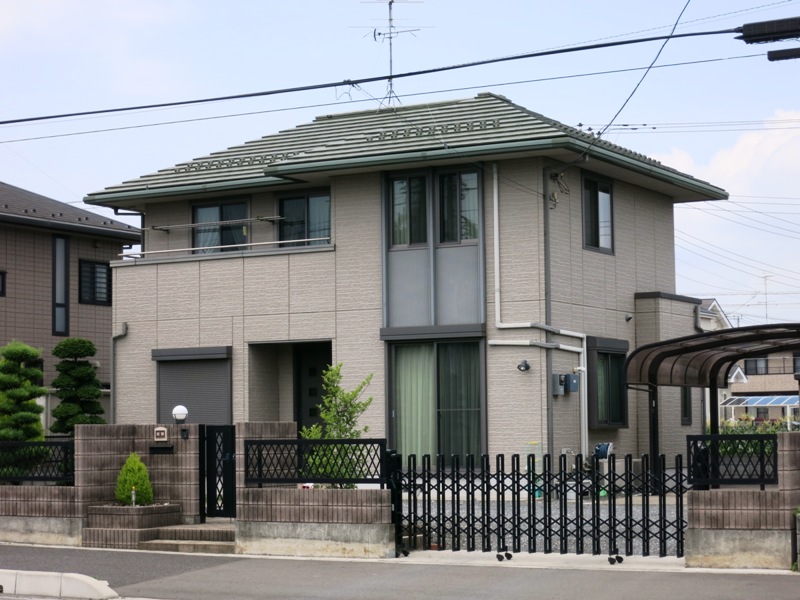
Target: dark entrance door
pixel 220 470
pixel 310 360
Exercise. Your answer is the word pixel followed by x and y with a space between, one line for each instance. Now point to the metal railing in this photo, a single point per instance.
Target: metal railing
pixel 50 461
pixel 536 506
pixel 341 462
pixel 732 459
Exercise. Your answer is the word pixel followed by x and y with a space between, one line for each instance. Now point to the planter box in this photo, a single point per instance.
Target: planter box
pixel 133 517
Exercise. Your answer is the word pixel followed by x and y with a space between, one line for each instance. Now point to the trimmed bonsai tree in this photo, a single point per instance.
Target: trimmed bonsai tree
pixel 339 410
pixel 134 476
pixel 20 419
pixel 77 386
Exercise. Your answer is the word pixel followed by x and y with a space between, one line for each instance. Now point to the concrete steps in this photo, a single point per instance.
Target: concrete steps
pixel 219 538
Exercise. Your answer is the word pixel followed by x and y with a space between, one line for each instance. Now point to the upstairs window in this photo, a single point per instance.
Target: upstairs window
pixel 306 219
pixel 608 400
pixel 409 206
pixel 94 285
pixel 796 362
pixel 2 283
pixel 598 225
pixel 755 366
pixel 458 207
pixel 219 227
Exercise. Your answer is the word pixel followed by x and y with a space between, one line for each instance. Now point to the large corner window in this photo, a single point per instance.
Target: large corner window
pixel 219 227
pixel 608 400
pixel 437 399
pixel 94 285
pixel 306 219
pixel 458 207
pixel 755 366
pixel 409 206
pixel 60 285
pixel 598 224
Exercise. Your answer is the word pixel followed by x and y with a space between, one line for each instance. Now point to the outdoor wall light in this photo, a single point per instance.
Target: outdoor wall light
pixel 179 413
pixel 523 365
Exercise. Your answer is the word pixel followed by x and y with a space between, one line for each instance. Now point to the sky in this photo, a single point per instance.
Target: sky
pixel 708 105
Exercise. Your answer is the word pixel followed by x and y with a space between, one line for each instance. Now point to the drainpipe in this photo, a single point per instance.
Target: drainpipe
pixel 548 329
pixel 114 338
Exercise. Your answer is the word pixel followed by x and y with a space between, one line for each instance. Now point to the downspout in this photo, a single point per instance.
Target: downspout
pixel 499 324
pixel 114 338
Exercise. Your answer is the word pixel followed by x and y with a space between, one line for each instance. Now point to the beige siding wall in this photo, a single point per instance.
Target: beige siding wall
pixel 259 304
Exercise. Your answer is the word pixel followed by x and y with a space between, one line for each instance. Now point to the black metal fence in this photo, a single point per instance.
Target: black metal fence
pixel 732 459
pixel 340 462
pixel 48 462
pixel 536 506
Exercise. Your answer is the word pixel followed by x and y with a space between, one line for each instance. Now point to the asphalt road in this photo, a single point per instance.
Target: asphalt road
pixel 443 575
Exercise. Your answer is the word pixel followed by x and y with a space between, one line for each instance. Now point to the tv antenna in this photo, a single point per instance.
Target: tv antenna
pixel 391 33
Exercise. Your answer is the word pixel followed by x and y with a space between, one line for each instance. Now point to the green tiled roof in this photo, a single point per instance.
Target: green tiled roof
pixel 487 125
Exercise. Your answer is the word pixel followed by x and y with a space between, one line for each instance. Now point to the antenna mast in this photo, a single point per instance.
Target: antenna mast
pixel 390 35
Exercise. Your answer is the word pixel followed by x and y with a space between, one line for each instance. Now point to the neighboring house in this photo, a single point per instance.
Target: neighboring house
pixel 711 318
pixel 492 268
pixel 768 389
pixel 55 279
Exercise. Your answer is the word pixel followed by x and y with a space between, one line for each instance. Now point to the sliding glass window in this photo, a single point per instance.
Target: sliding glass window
pixel 437 398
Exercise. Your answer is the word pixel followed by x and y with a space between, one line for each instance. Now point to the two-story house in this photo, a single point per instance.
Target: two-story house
pixel 490 266
pixel 55 278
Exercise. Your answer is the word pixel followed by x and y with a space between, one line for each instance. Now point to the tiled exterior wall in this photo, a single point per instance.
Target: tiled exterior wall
pixel 26 255
pixel 749 508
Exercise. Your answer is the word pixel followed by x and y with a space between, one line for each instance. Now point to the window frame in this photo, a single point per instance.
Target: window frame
pixel 596 349
pixel 60 285
pixel 592 213
pixel 221 230
pixel 686 405
pixel 795 362
pixel 306 197
pixel 439 411
pixel 756 366
pixel 431 215
pixel 424 215
pixel 87 290
pixel 459 205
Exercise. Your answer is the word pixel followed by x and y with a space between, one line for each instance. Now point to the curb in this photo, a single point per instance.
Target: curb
pixel 54 585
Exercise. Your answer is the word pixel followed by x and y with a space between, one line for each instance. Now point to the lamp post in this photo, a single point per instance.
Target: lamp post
pixel 179 413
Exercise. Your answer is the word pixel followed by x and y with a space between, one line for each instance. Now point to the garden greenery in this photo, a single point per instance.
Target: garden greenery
pixel 134 475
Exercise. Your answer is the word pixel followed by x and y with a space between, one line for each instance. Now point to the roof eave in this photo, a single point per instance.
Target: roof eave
pixel 133 236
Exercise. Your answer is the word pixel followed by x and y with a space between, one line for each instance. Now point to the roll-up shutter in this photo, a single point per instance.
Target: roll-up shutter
pixel 202 386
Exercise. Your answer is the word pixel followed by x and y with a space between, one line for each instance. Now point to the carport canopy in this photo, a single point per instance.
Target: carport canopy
pixel 703 360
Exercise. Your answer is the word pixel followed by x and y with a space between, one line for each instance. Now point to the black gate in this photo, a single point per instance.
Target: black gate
pixel 540 508
pixel 218 495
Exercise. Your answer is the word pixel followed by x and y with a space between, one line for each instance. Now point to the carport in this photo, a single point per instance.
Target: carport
pixel 702 360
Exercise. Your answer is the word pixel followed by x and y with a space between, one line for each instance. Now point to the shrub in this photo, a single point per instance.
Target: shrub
pixel 19 411
pixel 340 410
pixel 77 386
pixel 134 475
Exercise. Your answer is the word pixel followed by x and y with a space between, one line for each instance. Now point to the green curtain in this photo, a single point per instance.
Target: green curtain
pixel 415 396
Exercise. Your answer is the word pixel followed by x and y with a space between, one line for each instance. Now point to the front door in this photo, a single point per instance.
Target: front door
pixel 310 360
pixel 220 470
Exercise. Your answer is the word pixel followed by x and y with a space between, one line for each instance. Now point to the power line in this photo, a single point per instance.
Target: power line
pixel 363 80
pixel 328 104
